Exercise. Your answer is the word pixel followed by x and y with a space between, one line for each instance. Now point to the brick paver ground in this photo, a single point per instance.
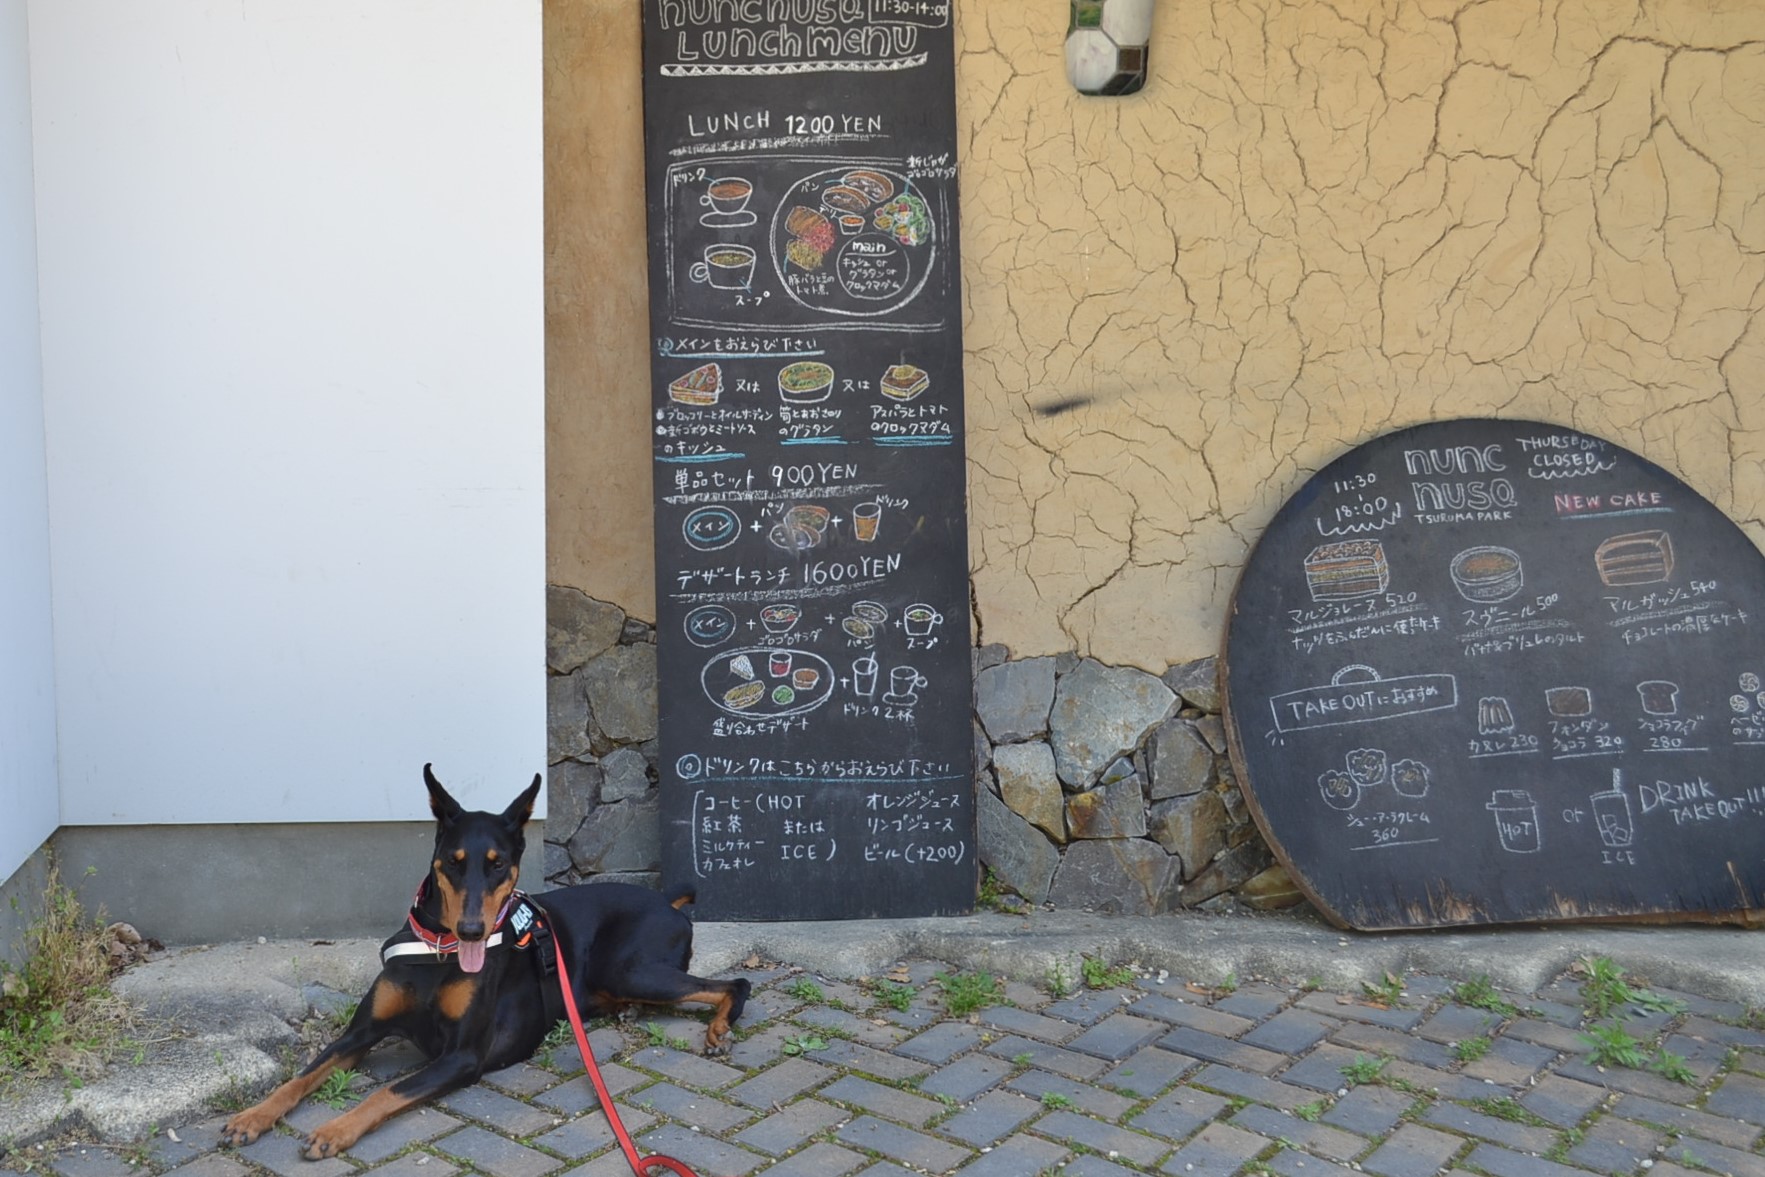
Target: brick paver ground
pixel 830 1079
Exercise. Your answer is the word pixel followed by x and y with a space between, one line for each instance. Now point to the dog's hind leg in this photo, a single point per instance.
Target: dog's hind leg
pixel 662 984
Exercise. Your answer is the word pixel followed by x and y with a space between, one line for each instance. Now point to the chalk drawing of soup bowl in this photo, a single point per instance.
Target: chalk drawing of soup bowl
pixel 709 625
pixel 738 682
pixel 710 528
pixel 780 618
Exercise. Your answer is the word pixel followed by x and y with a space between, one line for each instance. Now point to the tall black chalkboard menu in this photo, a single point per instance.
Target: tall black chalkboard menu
pixel 1494 671
pixel 816 749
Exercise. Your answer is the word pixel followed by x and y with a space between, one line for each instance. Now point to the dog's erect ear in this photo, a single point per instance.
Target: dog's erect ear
pixel 521 808
pixel 444 807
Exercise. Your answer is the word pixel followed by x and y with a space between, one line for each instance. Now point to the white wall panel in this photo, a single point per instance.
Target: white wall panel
pixel 28 800
pixel 293 369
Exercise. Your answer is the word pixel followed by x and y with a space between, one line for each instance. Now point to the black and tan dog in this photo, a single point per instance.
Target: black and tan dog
pixel 471 982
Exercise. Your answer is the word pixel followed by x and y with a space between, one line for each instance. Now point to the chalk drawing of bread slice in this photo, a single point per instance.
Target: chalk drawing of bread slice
pixel 1641 557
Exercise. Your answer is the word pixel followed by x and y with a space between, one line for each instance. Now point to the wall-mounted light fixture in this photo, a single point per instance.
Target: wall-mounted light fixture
pixel 1106 43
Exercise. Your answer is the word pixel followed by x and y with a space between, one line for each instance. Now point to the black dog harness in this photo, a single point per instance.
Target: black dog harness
pixel 522 925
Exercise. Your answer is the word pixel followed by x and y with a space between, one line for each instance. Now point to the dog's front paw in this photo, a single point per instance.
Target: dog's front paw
pixel 329 1139
pixel 247 1126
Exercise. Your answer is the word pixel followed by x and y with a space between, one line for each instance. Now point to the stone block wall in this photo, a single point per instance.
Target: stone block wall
pixel 602 816
pixel 1098 787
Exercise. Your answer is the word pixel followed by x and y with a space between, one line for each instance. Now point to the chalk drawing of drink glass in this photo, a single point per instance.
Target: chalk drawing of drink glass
pixel 726 267
pixel 919 620
pixel 864 677
pixel 904 685
pixel 1612 815
pixel 1659 697
pixel 865 517
pixel 1516 820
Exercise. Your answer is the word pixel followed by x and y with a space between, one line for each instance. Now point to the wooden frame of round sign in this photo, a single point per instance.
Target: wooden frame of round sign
pixel 1487 671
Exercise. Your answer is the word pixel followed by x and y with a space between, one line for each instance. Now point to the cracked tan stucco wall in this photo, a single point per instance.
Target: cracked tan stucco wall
pixel 1318 223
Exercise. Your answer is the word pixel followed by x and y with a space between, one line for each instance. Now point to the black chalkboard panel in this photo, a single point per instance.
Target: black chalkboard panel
pixel 811 529
pixel 1493 671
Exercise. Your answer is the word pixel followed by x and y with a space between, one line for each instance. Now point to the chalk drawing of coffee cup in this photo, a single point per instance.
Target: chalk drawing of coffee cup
pixel 1568 702
pixel 1516 820
pixel 919 620
pixel 726 267
pixel 904 684
pixel 727 195
pixel 1659 697
pixel 864 677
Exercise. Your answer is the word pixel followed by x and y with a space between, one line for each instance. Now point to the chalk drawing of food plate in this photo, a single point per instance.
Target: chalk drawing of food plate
pixel 710 528
pixel 1357 694
pixel 857 240
pixel 710 625
pixel 766 683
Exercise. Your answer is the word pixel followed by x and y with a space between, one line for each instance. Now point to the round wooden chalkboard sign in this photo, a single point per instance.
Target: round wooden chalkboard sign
pixel 1490 671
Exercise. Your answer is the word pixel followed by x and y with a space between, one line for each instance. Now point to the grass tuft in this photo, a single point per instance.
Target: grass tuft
pixel 1099 975
pixel 58 1015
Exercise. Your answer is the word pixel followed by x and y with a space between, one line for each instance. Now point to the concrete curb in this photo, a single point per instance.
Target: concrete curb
pixel 1716 962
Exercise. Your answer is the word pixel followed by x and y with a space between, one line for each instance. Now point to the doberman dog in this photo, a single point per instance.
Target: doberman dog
pixel 470 980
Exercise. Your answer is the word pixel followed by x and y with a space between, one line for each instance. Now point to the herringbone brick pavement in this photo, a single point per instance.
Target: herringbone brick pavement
pixel 1142 1074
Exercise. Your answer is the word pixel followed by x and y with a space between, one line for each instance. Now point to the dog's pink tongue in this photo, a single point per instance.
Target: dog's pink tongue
pixel 471 955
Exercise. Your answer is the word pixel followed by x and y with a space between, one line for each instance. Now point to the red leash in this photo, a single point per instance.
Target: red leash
pixel 639 1165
